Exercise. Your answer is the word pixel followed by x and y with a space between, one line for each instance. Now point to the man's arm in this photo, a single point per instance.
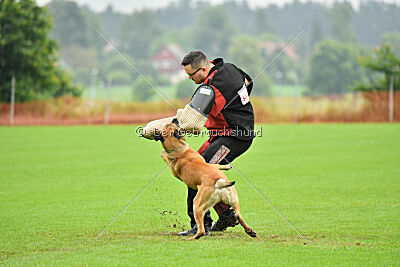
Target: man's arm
pixel 195 114
pixel 192 118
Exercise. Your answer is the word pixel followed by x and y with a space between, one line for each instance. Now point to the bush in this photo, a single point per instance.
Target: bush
pixel 262 85
pixel 333 68
pixel 120 77
pixel 185 89
pixel 142 90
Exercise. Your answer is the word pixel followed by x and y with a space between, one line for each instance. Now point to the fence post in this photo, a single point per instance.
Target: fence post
pixel 391 98
pixel 296 103
pixel 12 100
pixel 107 111
pixel 94 83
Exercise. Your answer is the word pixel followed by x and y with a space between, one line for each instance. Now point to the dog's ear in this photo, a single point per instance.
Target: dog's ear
pixel 159 137
pixel 177 134
pixel 175 120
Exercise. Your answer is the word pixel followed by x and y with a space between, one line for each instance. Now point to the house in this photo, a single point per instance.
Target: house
pixel 269 47
pixel 167 61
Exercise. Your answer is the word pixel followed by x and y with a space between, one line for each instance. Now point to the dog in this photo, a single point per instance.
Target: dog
pixel 190 167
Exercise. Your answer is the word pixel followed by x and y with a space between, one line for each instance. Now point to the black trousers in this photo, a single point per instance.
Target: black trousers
pixel 236 146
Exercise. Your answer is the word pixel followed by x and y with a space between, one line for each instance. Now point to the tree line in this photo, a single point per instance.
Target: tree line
pixel 335 51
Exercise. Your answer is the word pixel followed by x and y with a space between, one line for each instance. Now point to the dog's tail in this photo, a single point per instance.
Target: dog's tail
pixel 221 183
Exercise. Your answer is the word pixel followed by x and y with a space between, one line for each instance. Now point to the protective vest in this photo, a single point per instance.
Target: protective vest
pixel 232 113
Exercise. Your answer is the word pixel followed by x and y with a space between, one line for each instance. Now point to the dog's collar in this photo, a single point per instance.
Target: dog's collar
pixel 176 148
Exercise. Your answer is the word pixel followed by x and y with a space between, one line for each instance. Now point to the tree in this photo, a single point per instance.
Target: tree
pixel 382 61
pixel 340 17
pixel 92 20
pixel 174 36
pixel 177 14
pixel 316 32
pixel 138 31
pixel 261 21
pixel 261 85
pixel 27 53
pixel 120 77
pixel 80 44
pixel 245 53
pixel 70 25
pixel 111 21
pixel 213 31
pixel 375 17
pixel 78 56
pixel 185 89
pixel 281 69
pixel 333 68
pixel 142 90
pixel 393 40
pixel 115 62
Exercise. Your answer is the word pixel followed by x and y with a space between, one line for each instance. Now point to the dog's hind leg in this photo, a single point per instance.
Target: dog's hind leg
pixel 247 228
pixel 233 201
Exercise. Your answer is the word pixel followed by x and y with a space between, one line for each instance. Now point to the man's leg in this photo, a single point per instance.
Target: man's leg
pixel 217 151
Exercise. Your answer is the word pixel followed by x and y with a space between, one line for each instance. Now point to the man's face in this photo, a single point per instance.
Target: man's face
pixel 198 75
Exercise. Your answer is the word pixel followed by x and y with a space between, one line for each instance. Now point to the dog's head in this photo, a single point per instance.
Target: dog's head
pixel 171 135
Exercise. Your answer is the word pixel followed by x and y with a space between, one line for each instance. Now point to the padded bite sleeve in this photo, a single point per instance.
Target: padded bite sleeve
pixel 191 120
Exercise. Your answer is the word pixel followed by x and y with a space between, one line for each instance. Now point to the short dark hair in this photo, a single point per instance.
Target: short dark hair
pixel 196 59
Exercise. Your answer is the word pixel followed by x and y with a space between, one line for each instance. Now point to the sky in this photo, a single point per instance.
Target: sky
pixel 126 6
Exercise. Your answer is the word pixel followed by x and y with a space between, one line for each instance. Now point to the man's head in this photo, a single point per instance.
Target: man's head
pixel 197 66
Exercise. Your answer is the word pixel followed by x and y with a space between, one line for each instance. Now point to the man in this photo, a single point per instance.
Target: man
pixel 222 99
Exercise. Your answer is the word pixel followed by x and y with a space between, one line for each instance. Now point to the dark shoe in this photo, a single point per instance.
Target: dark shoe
pixel 225 220
pixel 193 231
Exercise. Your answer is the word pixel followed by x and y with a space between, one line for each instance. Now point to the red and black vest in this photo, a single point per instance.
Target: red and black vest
pixel 228 116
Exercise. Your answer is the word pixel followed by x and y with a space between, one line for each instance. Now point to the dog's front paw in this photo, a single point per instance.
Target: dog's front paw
pixel 197 236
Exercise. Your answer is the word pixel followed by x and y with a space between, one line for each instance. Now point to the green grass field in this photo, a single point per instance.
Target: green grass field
pixel 124 93
pixel 339 184
pixel 286 90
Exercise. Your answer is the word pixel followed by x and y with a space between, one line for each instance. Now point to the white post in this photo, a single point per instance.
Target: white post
pixel 93 87
pixel 296 104
pixel 94 83
pixel 391 99
pixel 107 111
pixel 12 101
